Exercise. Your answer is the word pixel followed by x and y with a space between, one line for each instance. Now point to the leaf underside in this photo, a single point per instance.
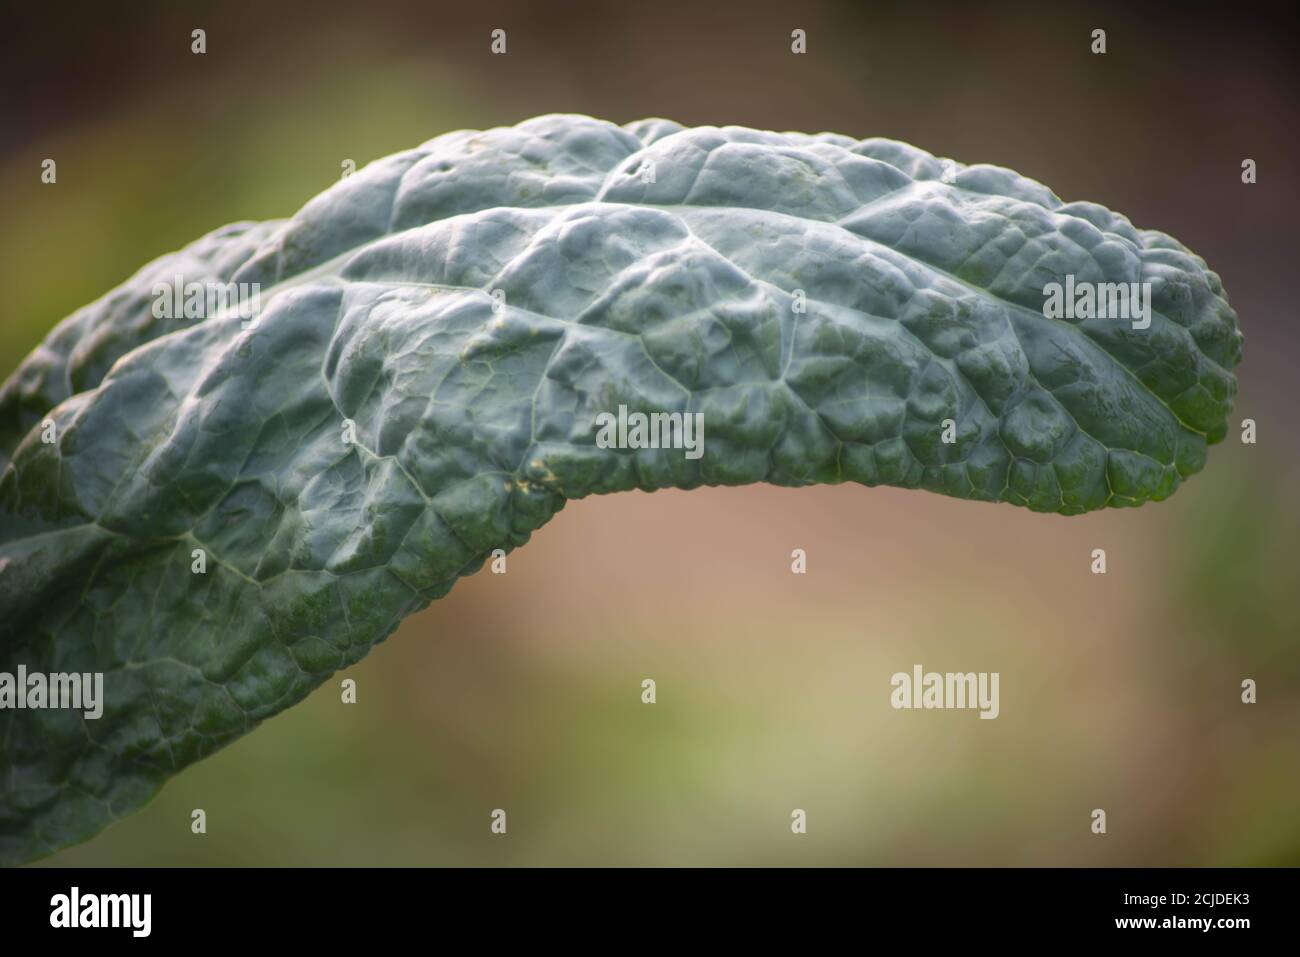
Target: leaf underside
pixel 922 294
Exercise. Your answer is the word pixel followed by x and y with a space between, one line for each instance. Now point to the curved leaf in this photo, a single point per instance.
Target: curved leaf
pixel 437 337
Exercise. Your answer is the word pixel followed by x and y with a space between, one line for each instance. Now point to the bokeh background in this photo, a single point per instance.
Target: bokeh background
pixel 522 691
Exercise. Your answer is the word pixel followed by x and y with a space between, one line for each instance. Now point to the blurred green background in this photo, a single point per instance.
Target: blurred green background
pixel 522 691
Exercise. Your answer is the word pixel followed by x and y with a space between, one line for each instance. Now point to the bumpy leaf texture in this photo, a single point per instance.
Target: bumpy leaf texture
pixel 473 424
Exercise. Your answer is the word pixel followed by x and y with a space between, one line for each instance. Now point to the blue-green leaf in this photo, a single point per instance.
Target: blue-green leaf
pixel 436 341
